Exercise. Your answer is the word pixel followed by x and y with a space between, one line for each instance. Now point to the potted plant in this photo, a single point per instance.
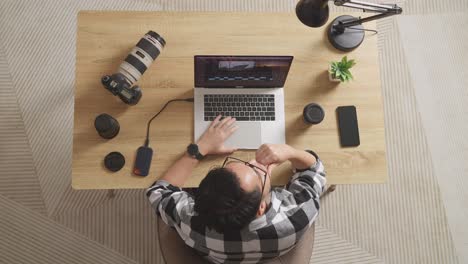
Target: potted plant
pixel 339 70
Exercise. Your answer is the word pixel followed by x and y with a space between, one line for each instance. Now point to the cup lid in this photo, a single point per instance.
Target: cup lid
pixel 313 113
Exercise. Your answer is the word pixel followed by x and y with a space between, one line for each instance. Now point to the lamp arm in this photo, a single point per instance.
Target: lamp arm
pixel 384 10
pixel 366 5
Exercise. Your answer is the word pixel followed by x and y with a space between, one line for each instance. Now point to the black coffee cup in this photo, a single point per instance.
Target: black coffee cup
pixel 313 114
pixel 106 126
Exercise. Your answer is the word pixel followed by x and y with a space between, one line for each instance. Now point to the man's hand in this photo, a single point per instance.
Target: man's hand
pixel 212 140
pixel 278 153
pixel 273 153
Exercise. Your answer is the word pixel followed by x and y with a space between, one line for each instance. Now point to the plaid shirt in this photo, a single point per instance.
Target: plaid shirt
pixel 293 210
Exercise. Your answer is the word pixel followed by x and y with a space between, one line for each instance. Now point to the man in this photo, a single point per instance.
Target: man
pixel 235 216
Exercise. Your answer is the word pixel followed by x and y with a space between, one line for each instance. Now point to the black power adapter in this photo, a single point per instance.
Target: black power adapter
pixel 143 161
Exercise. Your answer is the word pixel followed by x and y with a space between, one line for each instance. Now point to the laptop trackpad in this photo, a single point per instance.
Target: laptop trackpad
pixel 247 136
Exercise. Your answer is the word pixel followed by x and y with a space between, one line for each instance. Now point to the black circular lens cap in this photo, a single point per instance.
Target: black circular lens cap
pixel 102 123
pixel 114 161
pixel 313 113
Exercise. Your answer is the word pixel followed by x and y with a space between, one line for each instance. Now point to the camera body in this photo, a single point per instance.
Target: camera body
pixel 117 85
pixel 132 68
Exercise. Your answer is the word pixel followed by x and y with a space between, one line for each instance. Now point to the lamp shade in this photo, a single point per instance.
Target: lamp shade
pixel 313 13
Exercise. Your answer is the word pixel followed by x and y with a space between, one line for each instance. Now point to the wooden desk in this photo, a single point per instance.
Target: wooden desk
pixel 105 38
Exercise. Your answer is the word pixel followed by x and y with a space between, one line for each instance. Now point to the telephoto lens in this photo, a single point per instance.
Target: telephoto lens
pixel 130 71
pixel 141 57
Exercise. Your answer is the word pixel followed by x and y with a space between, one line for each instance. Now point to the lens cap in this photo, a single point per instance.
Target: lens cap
pixel 114 161
pixel 313 113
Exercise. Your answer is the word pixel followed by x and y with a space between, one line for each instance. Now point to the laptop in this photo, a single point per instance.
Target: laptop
pixel 249 88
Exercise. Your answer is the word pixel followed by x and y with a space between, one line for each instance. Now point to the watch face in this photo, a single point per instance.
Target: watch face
pixel 192 149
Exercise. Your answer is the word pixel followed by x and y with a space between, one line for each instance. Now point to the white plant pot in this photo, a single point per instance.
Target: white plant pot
pixel 330 77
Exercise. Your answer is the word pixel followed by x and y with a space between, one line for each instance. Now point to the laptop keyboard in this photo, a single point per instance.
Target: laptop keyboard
pixel 244 107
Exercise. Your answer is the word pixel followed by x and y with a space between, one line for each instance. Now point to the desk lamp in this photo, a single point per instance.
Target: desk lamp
pixel 344 32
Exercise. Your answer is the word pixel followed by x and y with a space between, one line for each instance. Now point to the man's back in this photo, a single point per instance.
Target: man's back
pixel 292 211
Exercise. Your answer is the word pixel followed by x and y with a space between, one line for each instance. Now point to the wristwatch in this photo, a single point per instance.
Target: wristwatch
pixel 193 151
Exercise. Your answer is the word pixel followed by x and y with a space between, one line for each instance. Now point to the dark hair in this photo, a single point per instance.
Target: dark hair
pixel 223 204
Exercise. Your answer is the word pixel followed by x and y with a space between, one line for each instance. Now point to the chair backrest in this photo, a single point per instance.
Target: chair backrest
pixel 174 250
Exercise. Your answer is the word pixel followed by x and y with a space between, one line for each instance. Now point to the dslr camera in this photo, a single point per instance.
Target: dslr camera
pixel 132 68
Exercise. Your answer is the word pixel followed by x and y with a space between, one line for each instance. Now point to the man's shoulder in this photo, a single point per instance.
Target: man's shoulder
pixel 282 193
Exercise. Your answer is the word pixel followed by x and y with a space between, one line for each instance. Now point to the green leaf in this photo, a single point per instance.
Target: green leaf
pixel 344 60
pixel 337 73
pixel 350 64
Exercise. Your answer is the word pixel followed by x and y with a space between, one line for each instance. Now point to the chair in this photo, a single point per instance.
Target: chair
pixel 174 250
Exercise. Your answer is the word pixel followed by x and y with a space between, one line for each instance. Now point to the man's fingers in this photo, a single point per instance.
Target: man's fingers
pixel 262 152
pixel 215 121
pixel 261 159
pixel 259 155
pixel 229 123
pixel 224 122
pixel 267 159
pixel 232 130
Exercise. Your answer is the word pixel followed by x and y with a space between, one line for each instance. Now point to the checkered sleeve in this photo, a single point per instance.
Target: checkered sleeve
pixel 167 200
pixel 307 185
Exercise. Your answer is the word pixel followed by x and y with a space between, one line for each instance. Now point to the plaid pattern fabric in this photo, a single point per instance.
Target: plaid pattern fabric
pixel 293 210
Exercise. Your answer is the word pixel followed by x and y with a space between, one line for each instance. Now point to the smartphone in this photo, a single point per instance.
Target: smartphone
pixel 348 126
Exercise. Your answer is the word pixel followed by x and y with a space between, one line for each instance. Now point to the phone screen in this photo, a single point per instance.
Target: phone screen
pixel 348 126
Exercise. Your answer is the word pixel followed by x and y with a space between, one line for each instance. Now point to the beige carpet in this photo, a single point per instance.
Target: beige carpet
pixel 439 73
pixel 402 221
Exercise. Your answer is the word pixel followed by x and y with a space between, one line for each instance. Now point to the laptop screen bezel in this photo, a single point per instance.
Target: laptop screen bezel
pixel 199 72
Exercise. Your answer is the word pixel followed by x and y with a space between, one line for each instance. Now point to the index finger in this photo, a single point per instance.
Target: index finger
pixel 215 121
pixel 265 160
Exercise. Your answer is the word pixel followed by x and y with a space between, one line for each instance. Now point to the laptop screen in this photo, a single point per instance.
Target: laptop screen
pixel 241 71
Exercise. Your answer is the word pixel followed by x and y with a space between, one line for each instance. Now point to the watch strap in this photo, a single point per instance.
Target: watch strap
pixel 199 156
pixel 194 154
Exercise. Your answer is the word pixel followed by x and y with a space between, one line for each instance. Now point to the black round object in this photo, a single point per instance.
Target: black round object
pixel 347 40
pixel 114 161
pixel 193 151
pixel 106 126
pixel 313 113
pixel 157 36
pixel 312 13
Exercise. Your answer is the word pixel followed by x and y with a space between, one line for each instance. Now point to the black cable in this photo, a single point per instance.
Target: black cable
pixel 149 122
pixel 363 29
